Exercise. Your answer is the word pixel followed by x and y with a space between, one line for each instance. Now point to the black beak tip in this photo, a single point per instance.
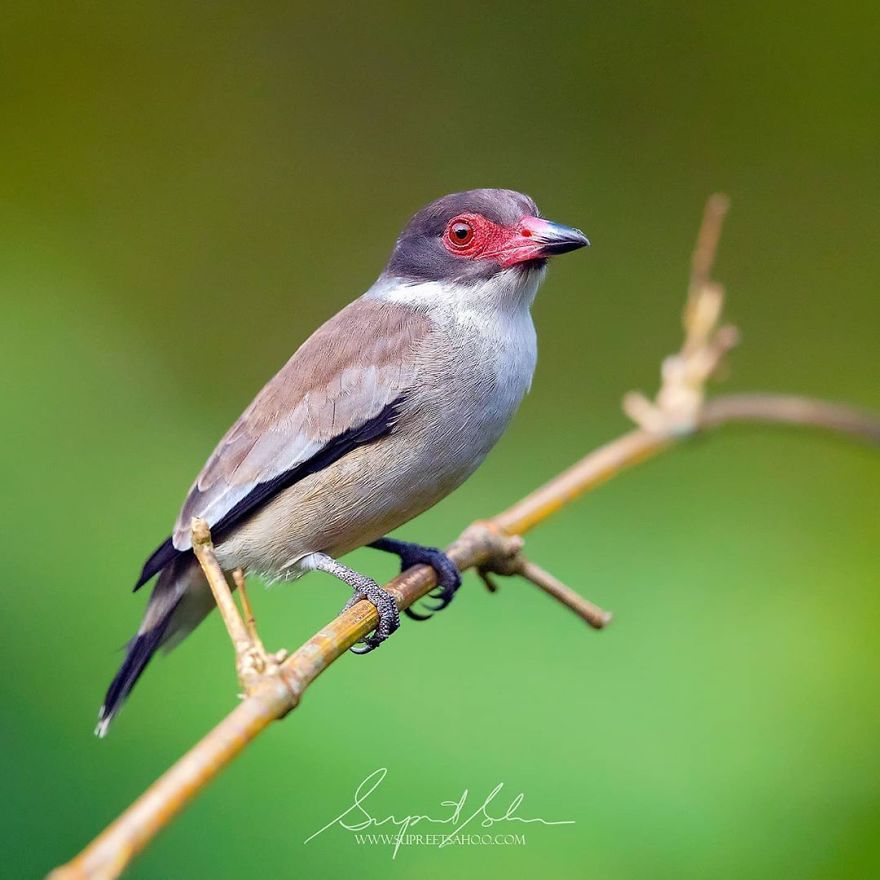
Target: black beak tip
pixel 580 240
pixel 559 239
pixel 571 241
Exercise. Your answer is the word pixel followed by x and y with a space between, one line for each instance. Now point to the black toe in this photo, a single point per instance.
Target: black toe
pixel 448 578
pixel 448 575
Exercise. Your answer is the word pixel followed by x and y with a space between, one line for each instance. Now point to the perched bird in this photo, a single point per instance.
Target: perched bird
pixel 383 411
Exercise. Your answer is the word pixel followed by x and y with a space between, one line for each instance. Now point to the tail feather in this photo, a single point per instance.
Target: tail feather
pixel 140 649
pixel 180 600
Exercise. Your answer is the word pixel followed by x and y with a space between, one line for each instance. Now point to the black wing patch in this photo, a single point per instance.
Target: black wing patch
pixel 378 426
pixel 165 553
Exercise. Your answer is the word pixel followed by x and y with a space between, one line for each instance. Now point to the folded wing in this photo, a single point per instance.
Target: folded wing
pixel 342 388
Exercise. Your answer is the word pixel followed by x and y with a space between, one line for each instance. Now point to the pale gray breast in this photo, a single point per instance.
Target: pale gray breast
pixel 473 378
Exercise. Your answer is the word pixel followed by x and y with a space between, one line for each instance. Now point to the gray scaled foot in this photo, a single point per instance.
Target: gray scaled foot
pixel 364 588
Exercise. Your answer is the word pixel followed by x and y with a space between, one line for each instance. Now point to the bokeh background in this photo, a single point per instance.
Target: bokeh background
pixel 189 189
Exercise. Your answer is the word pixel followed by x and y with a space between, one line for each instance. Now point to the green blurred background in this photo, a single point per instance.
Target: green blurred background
pixel 190 188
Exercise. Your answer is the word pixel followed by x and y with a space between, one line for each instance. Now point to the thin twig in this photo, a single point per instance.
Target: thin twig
pixel 708 239
pixel 252 661
pixel 592 614
pixel 109 854
pixel 204 551
pixel 793 410
pixel 247 611
pixel 493 545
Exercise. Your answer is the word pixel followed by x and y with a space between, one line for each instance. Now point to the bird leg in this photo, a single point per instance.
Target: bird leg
pixel 448 575
pixel 364 588
pixel 253 662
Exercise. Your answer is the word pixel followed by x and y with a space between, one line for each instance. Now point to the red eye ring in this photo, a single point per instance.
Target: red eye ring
pixel 460 233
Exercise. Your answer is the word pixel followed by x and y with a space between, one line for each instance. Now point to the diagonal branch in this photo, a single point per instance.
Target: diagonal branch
pixel 493 545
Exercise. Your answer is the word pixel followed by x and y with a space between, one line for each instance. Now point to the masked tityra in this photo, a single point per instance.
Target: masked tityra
pixel 382 411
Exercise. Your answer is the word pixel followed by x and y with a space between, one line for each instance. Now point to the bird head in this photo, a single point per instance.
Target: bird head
pixel 475 236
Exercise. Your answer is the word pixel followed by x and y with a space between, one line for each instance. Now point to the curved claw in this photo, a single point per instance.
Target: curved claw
pixel 365 647
pixel 443 596
pixel 414 615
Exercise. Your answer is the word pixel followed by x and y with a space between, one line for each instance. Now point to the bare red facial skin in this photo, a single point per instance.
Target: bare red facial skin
pixel 474 237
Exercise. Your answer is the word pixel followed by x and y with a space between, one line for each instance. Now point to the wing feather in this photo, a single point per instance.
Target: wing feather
pixel 344 376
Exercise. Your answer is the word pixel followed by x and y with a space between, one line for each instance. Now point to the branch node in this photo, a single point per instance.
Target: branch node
pixel 502 554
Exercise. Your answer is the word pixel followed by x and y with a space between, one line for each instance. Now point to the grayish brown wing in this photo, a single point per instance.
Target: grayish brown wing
pixel 346 374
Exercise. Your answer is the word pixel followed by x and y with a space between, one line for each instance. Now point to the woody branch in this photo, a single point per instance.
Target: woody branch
pixel 274 683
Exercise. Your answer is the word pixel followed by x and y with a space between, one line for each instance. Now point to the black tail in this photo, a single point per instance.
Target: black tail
pixel 180 599
pixel 138 653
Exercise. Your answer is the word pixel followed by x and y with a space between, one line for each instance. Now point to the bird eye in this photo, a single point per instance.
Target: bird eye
pixel 461 233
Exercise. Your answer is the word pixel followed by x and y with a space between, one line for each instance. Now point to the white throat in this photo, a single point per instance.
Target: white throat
pixel 508 293
pixel 488 325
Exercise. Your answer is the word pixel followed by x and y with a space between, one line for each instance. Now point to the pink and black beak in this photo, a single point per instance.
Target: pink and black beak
pixel 534 238
pixel 553 238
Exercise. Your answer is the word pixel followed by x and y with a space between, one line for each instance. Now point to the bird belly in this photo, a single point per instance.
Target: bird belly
pixel 369 492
